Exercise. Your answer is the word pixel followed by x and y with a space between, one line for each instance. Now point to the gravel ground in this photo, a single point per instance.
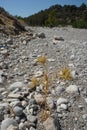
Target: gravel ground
pixel 18 54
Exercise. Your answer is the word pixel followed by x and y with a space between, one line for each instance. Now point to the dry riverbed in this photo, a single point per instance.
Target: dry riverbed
pixel 67 100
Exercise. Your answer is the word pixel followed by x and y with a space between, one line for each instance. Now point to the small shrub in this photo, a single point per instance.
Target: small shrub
pixel 35 82
pixel 65 74
pixel 42 60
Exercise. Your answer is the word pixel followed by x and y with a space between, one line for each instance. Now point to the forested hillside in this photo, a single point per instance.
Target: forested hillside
pixel 58 15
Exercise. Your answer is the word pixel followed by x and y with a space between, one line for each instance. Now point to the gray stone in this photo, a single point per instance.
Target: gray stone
pixel 63 106
pixel 32 128
pixel 4 106
pixel 1 116
pixel 72 89
pixel 7 122
pixel 59 90
pixel 24 103
pixel 38 74
pixel 62 101
pixel 15 103
pixel 18 110
pixel 9 41
pixel 15 95
pixel 31 118
pixel 39 98
pixel 1 77
pixel 32 101
pixel 51 60
pixel 12 127
pixel 21 126
pixel 4 52
pixel 85 100
pixel 50 102
pixel 41 35
pixel 58 38
pixel 85 117
pixel 51 124
pixel 16 85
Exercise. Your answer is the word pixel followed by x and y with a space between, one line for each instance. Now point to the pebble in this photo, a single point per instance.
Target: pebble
pixel 39 98
pixel 4 106
pixel 12 127
pixel 72 89
pixel 51 60
pixel 63 106
pixel 16 85
pixel 41 35
pixel 59 90
pixel 18 111
pixel 51 124
pixel 58 38
pixel 21 126
pixel 32 118
pixel 32 102
pixel 85 100
pixel 12 95
pixel 38 74
pixel 85 117
pixel 62 101
pixel 50 102
pixel 1 116
pixel 15 103
pixel 32 128
pixel 9 41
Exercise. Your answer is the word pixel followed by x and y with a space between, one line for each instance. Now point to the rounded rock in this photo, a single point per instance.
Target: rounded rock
pixel 7 122
pixel 18 111
pixel 62 101
pixel 16 85
pixel 72 89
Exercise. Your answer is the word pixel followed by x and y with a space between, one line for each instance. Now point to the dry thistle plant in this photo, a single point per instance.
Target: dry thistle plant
pixel 45 81
pixel 35 82
pixel 42 60
pixel 65 74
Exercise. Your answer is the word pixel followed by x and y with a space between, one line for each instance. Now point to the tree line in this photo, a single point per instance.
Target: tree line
pixel 58 15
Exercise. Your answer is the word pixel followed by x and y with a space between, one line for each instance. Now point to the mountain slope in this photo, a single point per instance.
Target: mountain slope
pixel 9 24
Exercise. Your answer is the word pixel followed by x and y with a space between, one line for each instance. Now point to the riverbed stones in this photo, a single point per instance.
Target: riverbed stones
pixel 18 66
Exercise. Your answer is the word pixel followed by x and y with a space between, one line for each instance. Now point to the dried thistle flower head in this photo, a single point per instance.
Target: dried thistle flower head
pixel 65 74
pixel 42 60
pixel 35 82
